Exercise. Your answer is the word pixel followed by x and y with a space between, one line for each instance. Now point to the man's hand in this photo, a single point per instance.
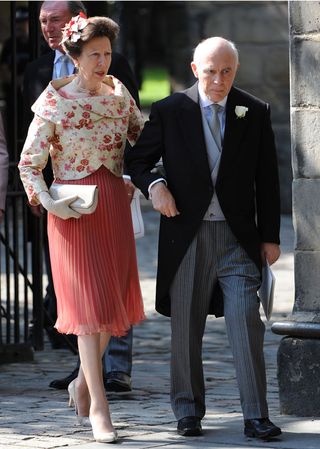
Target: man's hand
pixel 130 188
pixel 162 200
pixel 270 252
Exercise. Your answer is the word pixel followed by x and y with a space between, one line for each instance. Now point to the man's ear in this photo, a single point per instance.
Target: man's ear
pixel 194 69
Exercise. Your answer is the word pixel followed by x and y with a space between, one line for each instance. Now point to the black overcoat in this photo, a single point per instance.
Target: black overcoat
pixel 247 186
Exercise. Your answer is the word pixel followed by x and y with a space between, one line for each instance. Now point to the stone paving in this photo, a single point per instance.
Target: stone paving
pixel 34 416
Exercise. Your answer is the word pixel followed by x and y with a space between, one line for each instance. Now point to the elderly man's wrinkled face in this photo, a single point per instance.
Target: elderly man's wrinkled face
pixel 216 69
pixel 53 17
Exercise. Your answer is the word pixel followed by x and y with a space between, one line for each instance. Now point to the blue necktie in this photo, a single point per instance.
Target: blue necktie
pixel 215 124
pixel 64 66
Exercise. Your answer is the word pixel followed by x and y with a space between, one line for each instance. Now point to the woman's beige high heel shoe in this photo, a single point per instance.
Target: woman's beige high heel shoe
pixel 105 437
pixel 81 420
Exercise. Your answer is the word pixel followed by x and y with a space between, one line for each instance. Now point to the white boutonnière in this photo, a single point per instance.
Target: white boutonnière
pixel 241 111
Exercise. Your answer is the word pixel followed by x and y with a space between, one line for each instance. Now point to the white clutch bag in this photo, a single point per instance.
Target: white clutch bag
pixel 87 200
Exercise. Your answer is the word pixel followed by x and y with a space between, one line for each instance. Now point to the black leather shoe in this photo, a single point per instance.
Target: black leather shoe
pixel 261 428
pixel 62 384
pixel 117 381
pixel 190 426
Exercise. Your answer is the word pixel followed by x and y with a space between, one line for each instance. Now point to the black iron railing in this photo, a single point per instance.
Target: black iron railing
pixel 21 293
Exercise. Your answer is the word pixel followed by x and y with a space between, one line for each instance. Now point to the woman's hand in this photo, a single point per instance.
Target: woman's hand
pixel 60 208
pixel 130 188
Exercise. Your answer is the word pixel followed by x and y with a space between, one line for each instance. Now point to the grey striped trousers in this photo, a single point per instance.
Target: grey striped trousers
pixel 216 256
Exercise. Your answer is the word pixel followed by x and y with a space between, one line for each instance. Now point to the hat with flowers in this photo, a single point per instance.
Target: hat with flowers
pixel 73 29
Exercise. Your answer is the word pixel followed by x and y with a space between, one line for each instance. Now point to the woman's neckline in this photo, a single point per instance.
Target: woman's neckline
pixel 60 86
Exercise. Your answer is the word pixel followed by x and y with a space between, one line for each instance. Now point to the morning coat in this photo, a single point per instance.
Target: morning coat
pixel 247 186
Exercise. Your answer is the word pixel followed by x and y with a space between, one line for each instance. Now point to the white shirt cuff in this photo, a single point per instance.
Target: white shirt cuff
pixel 155 182
pixel 127 177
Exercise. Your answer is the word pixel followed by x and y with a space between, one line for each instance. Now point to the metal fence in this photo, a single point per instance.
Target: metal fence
pixel 21 311
pixel 21 277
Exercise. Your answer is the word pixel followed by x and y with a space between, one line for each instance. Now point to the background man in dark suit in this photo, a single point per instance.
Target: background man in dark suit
pixel 220 217
pixel 53 17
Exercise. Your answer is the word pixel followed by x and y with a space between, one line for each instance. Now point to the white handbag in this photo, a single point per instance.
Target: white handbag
pixel 87 194
pixel 87 201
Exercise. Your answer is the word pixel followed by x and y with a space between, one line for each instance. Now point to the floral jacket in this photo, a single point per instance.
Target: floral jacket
pixel 79 134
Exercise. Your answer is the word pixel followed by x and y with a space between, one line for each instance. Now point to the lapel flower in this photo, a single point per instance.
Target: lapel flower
pixel 241 111
pixel 73 29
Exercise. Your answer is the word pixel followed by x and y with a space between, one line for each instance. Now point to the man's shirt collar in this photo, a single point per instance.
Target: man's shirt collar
pixel 205 101
pixel 57 54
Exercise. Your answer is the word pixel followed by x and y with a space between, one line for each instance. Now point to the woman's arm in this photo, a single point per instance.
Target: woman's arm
pixel 136 123
pixel 34 157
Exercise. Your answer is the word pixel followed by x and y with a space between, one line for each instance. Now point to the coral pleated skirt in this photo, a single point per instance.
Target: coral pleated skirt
pixel 93 262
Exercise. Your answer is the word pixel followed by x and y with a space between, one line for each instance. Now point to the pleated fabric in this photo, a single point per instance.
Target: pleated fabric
pixel 93 261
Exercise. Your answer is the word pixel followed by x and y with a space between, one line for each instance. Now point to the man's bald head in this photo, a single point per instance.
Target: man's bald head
pixel 213 45
pixel 215 64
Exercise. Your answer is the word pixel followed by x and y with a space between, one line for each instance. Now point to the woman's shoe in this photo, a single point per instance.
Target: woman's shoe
pixel 81 420
pixel 105 437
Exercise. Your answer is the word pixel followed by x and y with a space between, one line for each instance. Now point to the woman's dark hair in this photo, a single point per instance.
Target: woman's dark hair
pixel 97 27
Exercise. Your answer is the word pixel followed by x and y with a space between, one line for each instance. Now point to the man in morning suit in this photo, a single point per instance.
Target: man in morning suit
pixel 220 218
pixel 53 17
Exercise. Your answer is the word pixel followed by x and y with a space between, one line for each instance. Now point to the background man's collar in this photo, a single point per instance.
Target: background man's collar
pixel 57 54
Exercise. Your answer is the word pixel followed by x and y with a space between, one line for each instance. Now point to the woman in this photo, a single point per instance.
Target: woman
pixel 83 122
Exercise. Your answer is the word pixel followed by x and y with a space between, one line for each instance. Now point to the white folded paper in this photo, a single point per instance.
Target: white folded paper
pixel 266 290
pixel 137 221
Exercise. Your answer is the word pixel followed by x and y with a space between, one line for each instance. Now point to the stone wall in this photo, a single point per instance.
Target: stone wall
pixel 305 117
pixel 299 352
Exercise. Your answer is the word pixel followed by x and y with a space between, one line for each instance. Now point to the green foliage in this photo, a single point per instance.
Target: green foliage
pixel 155 85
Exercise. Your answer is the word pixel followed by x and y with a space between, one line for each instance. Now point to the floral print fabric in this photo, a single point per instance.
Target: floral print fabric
pixel 80 134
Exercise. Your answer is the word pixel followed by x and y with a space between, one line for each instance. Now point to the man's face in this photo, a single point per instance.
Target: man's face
pixel 53 17
pixel 216 70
